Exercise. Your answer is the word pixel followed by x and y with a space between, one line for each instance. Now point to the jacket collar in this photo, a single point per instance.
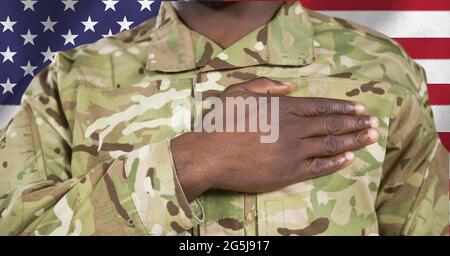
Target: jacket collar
pixel 287 40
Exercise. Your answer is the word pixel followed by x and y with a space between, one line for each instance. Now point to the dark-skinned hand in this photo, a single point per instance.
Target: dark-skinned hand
pixel 316 138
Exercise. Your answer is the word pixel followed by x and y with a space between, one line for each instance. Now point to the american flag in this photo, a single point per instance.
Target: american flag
pixel 33 30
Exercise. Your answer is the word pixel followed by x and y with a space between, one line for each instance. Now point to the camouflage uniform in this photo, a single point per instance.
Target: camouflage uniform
pixel 89 152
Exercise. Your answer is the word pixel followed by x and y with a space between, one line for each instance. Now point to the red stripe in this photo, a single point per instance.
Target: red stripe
pixel 426 48
pixel 439 94
pixel 445 138
pixel 407 5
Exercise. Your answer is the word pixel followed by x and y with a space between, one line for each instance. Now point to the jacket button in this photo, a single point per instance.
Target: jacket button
pixel 130 223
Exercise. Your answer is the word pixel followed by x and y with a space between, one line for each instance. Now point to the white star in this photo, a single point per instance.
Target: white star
pixel 89 24
pixel 28 69
pixel 49 24
pixel 69 4
pixel 69 38
pixel 145 4
pixel 110 4
pixel 8 55
pixel 29 4
pixel 125 24
pixel 8 24
pixel 109 34
pixel 48 55
pixel 28 38
pixel 8 87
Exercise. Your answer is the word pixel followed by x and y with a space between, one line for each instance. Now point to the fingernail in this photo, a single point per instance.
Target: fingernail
pixel 373 121
pixel 359 108
pixel 290 85
pixel 349 156
pixel 372 134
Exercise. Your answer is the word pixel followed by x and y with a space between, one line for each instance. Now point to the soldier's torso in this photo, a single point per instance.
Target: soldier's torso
pixel 114 105
pixel 109 122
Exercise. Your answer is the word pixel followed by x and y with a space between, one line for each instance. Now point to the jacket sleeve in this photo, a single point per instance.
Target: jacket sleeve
pixel 136 194
pixel 413 194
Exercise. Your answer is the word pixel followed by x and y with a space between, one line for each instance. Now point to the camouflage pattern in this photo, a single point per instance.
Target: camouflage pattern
pixel 89 151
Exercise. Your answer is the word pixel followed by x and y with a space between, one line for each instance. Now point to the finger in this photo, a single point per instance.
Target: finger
pixel 335 144
pixel 324 107
pixel 318 167
pixel 266 86
pixel 337 124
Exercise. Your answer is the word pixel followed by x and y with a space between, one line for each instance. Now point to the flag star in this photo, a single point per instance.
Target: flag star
pixel 48 55
pixel 28 69
pixel 28 38
pixel 8 24
pixel 109 34
pixel 29 4
pixel 125 24
pixel 49 24
pixel 110 4
pixel 69 38
pixel 8 55
pixel 8 86
pixel 89 24
pixel 145 4
pixel 69 4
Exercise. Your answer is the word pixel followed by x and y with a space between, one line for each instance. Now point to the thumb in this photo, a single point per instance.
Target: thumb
pixel 268 86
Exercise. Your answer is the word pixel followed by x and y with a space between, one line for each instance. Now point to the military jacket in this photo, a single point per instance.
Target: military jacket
pixel 89 151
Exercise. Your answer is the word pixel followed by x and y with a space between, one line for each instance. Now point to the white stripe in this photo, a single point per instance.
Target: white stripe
pixel 401 23
pixel 6 113
pixel 438 71
pixel 442 117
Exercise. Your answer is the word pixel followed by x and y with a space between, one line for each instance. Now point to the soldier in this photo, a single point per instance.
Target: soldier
pixel 99 146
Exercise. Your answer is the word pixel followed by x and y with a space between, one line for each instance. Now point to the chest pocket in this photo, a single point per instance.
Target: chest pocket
pixel 341 203
pixel 111 122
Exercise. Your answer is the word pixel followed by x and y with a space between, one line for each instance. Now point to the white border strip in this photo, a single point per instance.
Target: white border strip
pixel 438 71
pixel 401 23
pixel 442 117
pixel 6 113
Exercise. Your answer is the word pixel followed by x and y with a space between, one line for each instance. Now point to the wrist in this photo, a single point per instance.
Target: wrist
pixel 191 165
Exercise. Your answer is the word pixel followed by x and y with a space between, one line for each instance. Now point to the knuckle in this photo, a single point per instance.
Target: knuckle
pixel 360 122
pixel 318 167
pixel 331 144
pixel 344 107
pixel 341 107
pixel 290 173
pixel 321 106
pixel 334 125
pixel 358 139
pixel 347 107
pixel 285 107
pixel 336 162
